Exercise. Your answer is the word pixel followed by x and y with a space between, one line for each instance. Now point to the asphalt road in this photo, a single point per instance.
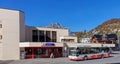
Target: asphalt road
pixel 114 59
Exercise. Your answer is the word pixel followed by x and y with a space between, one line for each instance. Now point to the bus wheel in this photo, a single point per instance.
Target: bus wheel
pixel 85 58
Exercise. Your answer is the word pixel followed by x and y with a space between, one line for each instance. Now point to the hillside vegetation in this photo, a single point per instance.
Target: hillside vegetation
pixel 108 27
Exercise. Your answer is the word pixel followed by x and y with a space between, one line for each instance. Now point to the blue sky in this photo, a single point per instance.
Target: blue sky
pixel 77 15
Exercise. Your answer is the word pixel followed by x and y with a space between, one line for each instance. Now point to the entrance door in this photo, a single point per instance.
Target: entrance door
pixel 56 52
pixel 37 52
pixel 60 52
pixel 52 52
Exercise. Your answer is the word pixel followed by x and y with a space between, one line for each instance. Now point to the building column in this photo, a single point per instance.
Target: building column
pixel 38 40
pixel 51 36
pixel 45 35
pixel 33 55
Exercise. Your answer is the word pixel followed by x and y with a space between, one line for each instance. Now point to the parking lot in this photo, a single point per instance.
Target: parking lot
pixel 115 59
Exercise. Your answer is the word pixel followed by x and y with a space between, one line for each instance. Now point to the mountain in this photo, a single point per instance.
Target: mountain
pixel 108 27
pixel 55 25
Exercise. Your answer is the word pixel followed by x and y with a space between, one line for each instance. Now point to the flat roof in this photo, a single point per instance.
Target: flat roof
pixel 12 9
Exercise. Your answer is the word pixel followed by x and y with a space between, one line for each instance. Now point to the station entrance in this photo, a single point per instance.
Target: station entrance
pixel 41 52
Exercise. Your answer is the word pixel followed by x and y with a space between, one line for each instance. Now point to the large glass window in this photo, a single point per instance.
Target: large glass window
pixel 28 52
pixel 0 37
pixel 60 51
pixel 48 37
pixel 45 52
pixel 41 36
pixel 44 36
pixel 37 52
pixel 34 32
pixel 0 25
pixel 34 35
pixel 54 36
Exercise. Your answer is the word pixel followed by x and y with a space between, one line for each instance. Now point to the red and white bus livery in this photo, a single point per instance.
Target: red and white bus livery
pixel 84 53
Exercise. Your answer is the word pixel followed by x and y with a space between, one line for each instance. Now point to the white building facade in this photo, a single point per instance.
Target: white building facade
pixel 11 33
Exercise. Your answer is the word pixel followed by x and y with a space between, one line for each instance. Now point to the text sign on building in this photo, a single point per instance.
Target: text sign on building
pixel 48 44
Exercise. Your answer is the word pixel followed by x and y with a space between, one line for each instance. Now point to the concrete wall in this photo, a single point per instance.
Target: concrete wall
pixel 61 33
pixel 0 51
pixel 10 34
pixel 28 34
pixel 0 41
pixel 22 27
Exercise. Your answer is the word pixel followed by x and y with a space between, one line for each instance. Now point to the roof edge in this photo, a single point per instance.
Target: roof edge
pixel 12 9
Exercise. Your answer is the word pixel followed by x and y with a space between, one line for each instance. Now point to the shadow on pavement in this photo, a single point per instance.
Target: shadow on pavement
pixel 113 63
pixel 6 62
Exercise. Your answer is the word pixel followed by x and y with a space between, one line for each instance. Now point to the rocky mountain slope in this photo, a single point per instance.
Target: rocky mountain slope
pixel 108 27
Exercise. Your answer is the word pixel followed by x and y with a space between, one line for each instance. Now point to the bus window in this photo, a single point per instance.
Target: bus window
pixel 73 52
pixel 86 51
pixel 94 50
pixel 105 49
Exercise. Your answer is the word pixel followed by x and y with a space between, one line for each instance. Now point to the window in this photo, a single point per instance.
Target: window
pixel 34 32
pixel 48 36
pixel 60 51
pixel 41 36
pixel 28 52
pixel 0 37
pixel 37 52
pixel 105 49
pixel 54 36
pixel 0 25
pixel 34 35
pixel 94 50
pixel 44 52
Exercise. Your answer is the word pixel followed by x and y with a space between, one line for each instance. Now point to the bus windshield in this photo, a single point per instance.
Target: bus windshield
pixel 75 52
